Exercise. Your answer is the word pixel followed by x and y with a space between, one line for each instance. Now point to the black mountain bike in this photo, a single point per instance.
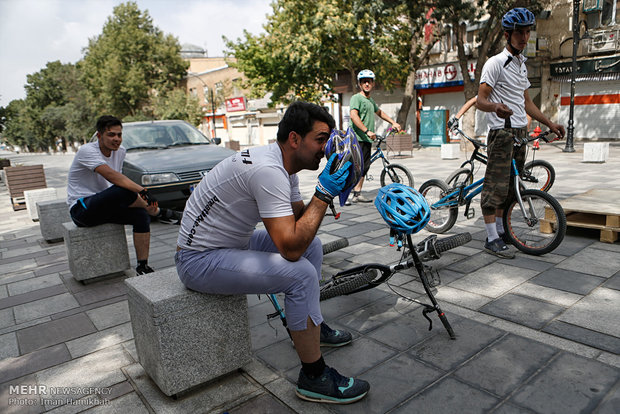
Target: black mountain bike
pixel 391 173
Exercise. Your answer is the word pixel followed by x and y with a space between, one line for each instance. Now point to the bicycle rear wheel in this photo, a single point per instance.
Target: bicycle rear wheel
pixel 442 218
pixel 543 228
pixel 345 284
pixel 448 243
pixel 332 246
pixel 538 175
pixel 396 173
pixel 460 177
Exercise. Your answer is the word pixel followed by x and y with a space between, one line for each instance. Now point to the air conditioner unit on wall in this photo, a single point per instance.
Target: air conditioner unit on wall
pixel 603 41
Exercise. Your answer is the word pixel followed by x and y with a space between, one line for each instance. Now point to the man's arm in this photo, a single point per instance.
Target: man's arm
pixel 357 121
pixel 483 103
pixel 298 209
pixel 117 178
pixel 532 110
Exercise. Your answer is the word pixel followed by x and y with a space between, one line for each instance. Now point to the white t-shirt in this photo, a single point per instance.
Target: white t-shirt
pixel 83 181
pixel 231 199
pixel 509 82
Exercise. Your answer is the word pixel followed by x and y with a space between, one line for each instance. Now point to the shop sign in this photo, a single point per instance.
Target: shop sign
pixel 235 104
pixel 602 65
pixel 442 75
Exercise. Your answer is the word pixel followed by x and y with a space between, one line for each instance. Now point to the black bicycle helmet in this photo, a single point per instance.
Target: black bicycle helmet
pixel 518 17
pixel 348 149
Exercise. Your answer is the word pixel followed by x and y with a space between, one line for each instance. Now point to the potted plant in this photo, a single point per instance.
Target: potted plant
pixel 400 141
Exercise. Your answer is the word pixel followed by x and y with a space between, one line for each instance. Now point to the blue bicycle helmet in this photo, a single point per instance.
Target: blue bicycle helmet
pixel 518 17
pixel 348 149
pixel 403 208
pixel 365 74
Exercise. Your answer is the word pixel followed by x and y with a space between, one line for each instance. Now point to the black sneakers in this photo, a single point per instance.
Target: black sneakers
pixel 168 216
pixel 334 337
pixel 498 248
pixel 331 387
pixel 144 269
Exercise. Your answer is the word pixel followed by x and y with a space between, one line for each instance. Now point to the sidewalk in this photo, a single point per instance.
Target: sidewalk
pixel 535 334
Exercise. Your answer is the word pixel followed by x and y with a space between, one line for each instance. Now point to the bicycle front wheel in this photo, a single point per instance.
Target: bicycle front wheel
pixel 442 218
pixel 460 177
pixel 538 175
pixel 543 226
pixel 343 285
pixel 396 173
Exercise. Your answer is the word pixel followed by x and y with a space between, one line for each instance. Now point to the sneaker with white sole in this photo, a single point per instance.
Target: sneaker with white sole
pixel 334 337
pixel 359 198
pixel 331 387
pixel 498 248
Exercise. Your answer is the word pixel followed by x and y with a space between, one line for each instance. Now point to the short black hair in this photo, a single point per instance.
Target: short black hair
pixel 106 121
pixel 300 117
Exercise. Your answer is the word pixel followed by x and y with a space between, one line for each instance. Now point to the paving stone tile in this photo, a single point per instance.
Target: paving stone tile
pixel 462 399
pixel 611 403
pixel 54 332
pixel 342 305
pixel 6 318
pixel 568 281
pixel 19 267
pixel 572 245
pixel 100 340
pixel 129 403
pixel 503 366
pixel 11 368
pixel 404 332
pixel 88 307
pixel 54 268
pixel 234 389
pixel 34 283
pixel 555 296
pixel 35 295
pixel 51 259
pixel 357 229
pixel 281 356
pixel 472 263
pixel 349 356
pixel 8 346
pixel 401 376
pixel 264 403
pixel 109 315
pixel 22 253
pixel 17 327
pixel 613 282
pixel 444 353
pixel 99 291
pixel 461 297
pixel 3 292
pixel 13 403
pixel 598 311
pixel 569 384
pixel 592 261
pixel 523 310
pixel 267 334
pixel 376 314
pixel 44 307
pixel 527 262
pixel 585 336
pixel 493 280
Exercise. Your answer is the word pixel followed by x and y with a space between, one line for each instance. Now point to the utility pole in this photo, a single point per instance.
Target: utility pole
pixel 571 112
pixel 213 110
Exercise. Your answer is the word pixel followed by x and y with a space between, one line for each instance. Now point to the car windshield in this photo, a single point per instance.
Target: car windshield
pixel 161 135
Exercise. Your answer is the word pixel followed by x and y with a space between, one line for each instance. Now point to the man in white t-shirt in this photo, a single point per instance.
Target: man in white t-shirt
pixel 221 252
pixel 98 193
pixel 503 94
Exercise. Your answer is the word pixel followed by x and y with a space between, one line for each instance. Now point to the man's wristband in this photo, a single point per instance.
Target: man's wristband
pixel 323 197
pixel 366 132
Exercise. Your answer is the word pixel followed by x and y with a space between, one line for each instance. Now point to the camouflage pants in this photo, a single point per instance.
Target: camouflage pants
pixel 498 188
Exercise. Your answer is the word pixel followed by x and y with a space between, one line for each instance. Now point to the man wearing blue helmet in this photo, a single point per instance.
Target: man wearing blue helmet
pixel 362 110
pixel 503 95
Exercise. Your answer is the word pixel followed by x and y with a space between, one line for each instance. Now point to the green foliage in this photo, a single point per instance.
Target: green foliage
pixel 130 64
pixel 178 105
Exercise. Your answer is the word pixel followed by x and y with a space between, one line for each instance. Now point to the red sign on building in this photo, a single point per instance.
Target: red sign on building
pixel 235 104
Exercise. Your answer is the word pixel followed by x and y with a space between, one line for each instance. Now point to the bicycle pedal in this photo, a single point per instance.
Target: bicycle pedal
pixel 435 279
pixel 273 315
pixel 470 213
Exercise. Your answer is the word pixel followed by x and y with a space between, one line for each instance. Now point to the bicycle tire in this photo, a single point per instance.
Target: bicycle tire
pixel 532 238
pixel 538 175
pixel 448 243
pixel 442 219
pixel 393 174
pixel 346 284
pixel 332 246
pixel 460 177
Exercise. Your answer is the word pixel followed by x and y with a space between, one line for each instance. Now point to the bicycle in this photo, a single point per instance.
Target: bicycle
pixel 536 174
pixel 535 222
pixel 397 173
pixel 371 275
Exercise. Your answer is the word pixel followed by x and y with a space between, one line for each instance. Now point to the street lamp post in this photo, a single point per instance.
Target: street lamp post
pixel 571 112
pixel 195 75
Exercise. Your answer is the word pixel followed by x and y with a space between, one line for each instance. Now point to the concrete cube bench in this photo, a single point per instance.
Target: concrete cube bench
pixel 186 338
pixel 34 196
pixel 52 214
pixel 95 251
pixel 595 151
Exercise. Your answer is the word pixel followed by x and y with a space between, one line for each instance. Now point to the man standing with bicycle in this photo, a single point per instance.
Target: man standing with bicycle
pixel 362 111
pixel 503 94
pixel 221 252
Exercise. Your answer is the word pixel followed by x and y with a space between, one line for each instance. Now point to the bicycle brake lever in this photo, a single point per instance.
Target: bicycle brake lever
pixel 424 313
pixel 336 215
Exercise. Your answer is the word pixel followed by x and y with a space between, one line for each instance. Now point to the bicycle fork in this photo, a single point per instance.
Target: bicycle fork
pixel 530 218
pixel 279 312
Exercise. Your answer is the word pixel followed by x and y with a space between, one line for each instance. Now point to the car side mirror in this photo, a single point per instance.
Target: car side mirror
pixel 217 141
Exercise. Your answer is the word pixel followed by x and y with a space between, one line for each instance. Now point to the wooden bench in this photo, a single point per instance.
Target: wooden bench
pixel 21 178
pixel 96 251
pixel 399 142
pixel 186 338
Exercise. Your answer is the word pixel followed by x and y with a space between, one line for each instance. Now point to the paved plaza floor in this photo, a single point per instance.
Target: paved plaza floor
pixel 534 334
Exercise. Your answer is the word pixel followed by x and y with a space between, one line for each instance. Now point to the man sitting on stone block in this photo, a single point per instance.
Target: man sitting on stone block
pixel 98 193
pixel 221 252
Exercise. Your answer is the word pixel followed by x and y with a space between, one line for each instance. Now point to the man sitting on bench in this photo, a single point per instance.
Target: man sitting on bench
pixel 98 193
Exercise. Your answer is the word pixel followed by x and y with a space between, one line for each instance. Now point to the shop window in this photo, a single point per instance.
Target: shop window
pixel 608 13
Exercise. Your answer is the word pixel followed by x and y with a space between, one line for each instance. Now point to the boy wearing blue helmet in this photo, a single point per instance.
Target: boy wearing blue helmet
pixel 362 110
pixel 503 94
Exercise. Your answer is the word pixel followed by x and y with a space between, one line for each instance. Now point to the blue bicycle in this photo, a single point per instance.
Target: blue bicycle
pixel 535 223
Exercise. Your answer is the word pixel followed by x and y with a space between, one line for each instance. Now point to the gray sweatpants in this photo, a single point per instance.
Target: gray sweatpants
pixel 260 269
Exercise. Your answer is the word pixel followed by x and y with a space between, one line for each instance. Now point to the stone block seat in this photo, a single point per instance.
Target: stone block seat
pixel 95 251
pixel 186 338
pixel 52 214
pixel 32 197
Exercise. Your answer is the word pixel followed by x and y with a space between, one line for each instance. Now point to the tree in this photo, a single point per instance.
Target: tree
pixel 177 104
pixel 131 63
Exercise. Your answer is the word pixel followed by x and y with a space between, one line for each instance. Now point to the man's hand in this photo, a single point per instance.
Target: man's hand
pixel 331 184
pixel 502 111
pixel 148 197
pixel 396 126
pixel 371 135
pixel 557 129
pixel 453 123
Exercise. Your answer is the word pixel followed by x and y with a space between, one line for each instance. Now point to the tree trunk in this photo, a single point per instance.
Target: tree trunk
pixel 403 112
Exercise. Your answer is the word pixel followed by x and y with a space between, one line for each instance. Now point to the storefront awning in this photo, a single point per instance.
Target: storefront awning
pixel 588 77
